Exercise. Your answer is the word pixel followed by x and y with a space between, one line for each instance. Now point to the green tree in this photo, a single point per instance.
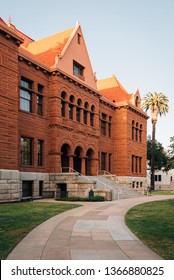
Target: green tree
pixel 171 147
pixel 163 159
pixel 157 103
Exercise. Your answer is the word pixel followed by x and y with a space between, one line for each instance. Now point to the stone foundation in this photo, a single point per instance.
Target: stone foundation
pixel 9 185
pixel 56 185
pixel 138 183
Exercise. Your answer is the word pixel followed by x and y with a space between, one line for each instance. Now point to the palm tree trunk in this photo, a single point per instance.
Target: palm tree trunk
pixel 153 156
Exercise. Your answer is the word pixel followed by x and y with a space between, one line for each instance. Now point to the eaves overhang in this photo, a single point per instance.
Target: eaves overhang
pixel 10 34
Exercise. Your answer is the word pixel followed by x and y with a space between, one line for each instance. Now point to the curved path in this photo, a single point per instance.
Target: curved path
pixel 94 231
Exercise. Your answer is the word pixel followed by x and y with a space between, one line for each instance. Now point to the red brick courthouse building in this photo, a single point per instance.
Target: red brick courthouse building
pixel 56 117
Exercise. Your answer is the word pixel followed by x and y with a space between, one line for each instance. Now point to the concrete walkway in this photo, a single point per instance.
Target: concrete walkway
pixel 94 231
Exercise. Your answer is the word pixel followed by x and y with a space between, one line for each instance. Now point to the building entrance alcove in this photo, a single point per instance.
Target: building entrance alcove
pixel 78 159
pixel 65 158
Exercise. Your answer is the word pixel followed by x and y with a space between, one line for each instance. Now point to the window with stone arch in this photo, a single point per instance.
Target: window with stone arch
pixel 133 129
pixel 78 110
pixel 92 115
pixel 71 107
pixel 85 113
pixel 140 133
pixel 136 132
pixel 63 103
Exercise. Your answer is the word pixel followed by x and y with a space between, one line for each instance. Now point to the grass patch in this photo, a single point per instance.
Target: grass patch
pixel 163 192
pixel 153 223
pixel 17 219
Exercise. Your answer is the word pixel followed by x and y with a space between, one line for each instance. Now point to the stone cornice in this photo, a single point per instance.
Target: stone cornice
pixel 10 34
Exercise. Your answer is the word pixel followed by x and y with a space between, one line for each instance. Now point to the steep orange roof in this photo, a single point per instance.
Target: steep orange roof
pixel 112 89
pixel 48 48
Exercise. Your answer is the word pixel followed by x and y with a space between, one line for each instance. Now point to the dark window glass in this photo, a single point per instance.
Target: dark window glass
pixel 63 108
pixel 91 119
pixel 25 95
pixel 70 111
pixel 103 127
pixel 39 105
pixel 103 161
pixel 27 187
pixel 40 152
pixel 26 151
pixel 78 70
pixel 85 114
pixel 78 114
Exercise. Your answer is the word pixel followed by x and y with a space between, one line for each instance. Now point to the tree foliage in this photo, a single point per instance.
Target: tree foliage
pixel 163 159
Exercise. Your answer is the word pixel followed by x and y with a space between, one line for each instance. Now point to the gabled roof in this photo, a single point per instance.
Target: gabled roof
pixel 1 21
pixel 48 48
pixel 113 90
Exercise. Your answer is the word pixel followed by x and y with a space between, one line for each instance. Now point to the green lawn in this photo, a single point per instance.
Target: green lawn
pixel 17 219
pixel 163 192
pixel 153 223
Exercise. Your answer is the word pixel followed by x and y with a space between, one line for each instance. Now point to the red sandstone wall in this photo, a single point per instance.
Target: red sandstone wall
pixel 8 104
pixel 125 146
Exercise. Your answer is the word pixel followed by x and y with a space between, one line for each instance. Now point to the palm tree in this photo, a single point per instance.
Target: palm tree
pixel 158 105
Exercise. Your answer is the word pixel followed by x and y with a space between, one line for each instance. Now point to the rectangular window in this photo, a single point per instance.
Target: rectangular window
pixel 78 114
pixel 27 188
pixel 39 105
pixel 109 126
pixel 109 129
pixel 40 89
pixel 110 157
pixel 103 123
pixel 85 114
pixel 78 70
pixel 63 108
pixel 133 163
pixel 158 178
pixel 140 164
pixel 136 164
pixel 26 151
pixel 103 127
pixel 25 100
pixel 40 152
pixel 26 95
pixel 91 119
pixel 103 161
pixel 70 111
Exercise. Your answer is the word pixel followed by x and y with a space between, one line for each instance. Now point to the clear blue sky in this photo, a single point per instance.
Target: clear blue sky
pixel 133 39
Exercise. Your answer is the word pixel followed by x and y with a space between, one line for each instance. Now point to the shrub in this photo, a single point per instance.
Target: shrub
pixel 90 198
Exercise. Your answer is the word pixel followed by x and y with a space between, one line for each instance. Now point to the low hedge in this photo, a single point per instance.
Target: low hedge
pixel 90 198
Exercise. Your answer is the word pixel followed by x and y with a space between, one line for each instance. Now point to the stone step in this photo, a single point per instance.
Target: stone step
pixel 119 191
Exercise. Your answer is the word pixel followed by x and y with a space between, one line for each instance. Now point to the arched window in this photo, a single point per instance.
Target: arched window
pixel 140 133
pixel 63 95
pixel 71 99
pixel 79 102
pixel 63 102
pixel 91 119
pixel 86 105
pixel 78 110
pixel 93 108
pixel 136 132
pixel 133 130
